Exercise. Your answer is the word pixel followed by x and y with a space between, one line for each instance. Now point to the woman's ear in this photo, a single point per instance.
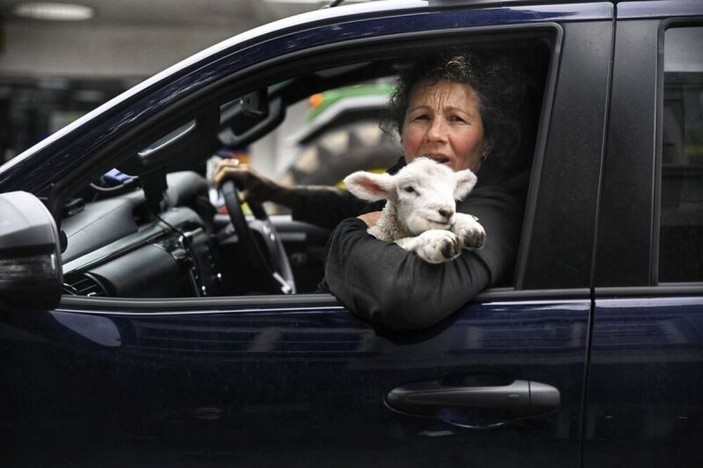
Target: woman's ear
pixel 487 149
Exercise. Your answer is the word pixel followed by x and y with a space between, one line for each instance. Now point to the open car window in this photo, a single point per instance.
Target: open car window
pixel 157 227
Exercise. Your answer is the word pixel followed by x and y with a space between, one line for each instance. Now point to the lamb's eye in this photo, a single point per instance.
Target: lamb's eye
pixel 408 189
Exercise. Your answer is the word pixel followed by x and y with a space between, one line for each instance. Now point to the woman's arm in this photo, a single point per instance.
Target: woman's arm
pixel 394 288
pixel 327 206
pixel 320 205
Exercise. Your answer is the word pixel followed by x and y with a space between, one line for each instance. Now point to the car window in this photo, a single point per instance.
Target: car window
pixel 159 228
pixel 323 139
pixel 681 223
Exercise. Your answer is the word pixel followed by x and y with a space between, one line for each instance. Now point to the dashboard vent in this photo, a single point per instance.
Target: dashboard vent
pixel 83 285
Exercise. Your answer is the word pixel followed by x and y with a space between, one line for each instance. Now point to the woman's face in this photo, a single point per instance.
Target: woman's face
pixel 443 122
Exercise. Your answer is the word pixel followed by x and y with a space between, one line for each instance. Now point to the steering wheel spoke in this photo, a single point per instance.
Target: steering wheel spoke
pixel 271 265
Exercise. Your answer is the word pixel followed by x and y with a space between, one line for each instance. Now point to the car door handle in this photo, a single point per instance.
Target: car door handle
pixel 521 398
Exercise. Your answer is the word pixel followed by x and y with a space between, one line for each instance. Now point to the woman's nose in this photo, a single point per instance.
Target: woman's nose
pixel 437 130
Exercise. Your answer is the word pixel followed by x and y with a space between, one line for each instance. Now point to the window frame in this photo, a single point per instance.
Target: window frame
pixel 624 253
pixel 543 30
pixel 565 176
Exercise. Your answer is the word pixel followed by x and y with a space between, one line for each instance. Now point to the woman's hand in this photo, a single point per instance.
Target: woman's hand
pixel 370 218
pixel 252 185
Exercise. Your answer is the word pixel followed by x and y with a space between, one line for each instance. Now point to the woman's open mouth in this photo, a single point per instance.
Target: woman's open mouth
pixel 441 159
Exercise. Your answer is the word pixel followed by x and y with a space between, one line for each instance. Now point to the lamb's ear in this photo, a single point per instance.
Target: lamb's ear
pixel 370 186
pixel 465 182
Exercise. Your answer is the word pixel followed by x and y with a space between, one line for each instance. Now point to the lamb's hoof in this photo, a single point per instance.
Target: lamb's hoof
pixel 439 246
pixel 475 239
pixel 451 249
pixel 470 232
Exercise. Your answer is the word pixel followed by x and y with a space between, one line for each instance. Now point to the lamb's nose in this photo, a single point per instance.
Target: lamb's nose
pixel 446 213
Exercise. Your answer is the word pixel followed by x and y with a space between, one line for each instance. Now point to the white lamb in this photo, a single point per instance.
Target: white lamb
pixel 420 214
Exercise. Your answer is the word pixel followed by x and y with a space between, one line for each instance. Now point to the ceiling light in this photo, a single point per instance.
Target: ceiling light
pixel 53 11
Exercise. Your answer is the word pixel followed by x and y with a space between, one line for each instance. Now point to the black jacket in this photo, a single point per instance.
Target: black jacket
pixel 395 289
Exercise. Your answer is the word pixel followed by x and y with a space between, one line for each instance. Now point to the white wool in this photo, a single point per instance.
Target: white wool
pixel 389 227
pixel 420 212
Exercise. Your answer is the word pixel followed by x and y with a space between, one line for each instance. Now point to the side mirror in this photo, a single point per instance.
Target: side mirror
pixel 30 257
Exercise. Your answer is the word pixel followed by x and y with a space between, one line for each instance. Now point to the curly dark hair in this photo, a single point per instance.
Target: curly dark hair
pixel 499 84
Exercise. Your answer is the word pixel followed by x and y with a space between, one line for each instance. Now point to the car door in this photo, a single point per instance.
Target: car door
pixel 299 381
pixel 648 321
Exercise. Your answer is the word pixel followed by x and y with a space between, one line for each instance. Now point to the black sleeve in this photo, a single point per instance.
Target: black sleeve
pixel 391 287
pixel 326 206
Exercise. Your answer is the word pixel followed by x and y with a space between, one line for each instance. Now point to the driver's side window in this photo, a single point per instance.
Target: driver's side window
pixel 125 239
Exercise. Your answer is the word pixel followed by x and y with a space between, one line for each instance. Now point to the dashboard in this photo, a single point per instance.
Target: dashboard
pixel 116 247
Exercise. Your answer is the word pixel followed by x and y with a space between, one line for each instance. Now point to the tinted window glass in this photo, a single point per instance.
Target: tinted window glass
pixel 681 235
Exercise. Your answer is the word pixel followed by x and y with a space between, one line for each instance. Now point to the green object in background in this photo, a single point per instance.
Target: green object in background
pixel 323 101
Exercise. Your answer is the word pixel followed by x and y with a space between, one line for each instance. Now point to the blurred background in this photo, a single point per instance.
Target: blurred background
pixel 60 60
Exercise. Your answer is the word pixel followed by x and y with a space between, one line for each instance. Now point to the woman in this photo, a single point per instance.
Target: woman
pixel 460 111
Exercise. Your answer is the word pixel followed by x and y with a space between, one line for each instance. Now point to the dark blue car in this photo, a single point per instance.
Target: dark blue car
pixel 141 325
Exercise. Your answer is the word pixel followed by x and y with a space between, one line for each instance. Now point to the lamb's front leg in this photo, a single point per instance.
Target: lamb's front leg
pixel 433 246
pixel 468 229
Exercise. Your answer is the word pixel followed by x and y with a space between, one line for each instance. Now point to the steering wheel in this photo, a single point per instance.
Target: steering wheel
pixel 270 264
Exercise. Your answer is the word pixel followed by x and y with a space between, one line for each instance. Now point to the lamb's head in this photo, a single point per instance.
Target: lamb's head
pixel 424 192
